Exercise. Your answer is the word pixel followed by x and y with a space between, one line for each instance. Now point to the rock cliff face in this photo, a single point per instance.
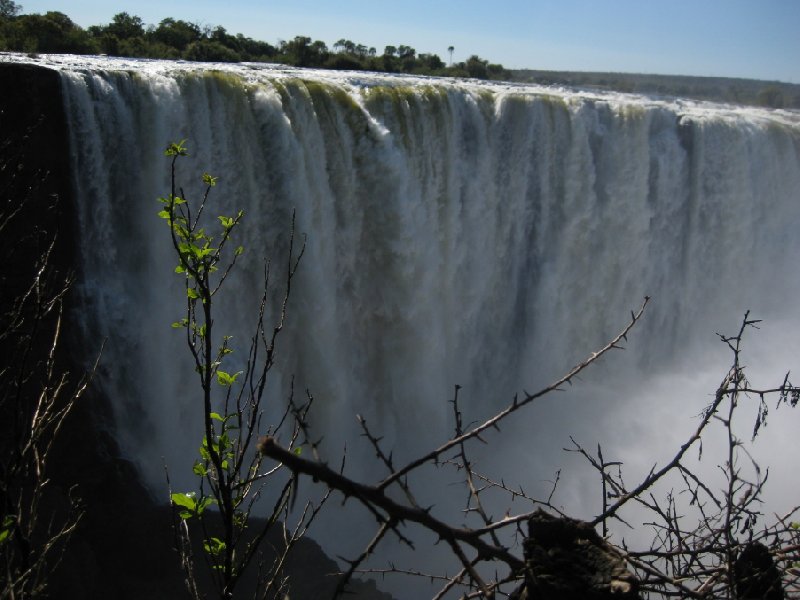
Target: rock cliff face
pixel 123 546
pixel 567 560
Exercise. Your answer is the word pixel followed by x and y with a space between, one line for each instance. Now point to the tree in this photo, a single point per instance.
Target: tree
pixel 477 67
pixel 125 26
pixel 251 49
pixel 406 52
pixel 230 473
pixel 496 71
pixel 210 51
pixel 9 9
pixel 51 32
pixel 177 34
pixel 320 48
pixel 302 52
pixel 430 63
pixel 450 50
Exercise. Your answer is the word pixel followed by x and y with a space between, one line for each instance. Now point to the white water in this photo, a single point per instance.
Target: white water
pixel 458 232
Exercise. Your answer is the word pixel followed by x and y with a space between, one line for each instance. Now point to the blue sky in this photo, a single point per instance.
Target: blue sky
pixel 731 38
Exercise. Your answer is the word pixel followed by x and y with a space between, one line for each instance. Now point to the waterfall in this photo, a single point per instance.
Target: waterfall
pixel 481 234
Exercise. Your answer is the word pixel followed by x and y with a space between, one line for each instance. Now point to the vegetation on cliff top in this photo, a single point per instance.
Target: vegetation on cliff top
pixel 128 35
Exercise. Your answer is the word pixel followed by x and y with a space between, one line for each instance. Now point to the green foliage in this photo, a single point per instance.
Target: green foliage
pixel 210 51
pixel 124 26
pixel 52 32
pixel 227 467
pixel 176 34
pixel 9 9
pixel 200 251
pixel 189 505
pixel 126 35
pixel 6 527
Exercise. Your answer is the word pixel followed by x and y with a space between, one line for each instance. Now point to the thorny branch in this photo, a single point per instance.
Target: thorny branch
pixel 483 542
pixel 687 558
pixel 700 546
pixel 37 392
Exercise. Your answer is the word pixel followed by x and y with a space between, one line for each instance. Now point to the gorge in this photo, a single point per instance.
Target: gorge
pixel 482 234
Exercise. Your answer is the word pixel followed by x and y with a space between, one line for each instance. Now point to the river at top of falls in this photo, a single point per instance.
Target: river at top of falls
pixel 490 235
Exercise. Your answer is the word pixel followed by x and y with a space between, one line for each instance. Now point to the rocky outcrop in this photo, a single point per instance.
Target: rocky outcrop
pixel 755 574
pixel 567 560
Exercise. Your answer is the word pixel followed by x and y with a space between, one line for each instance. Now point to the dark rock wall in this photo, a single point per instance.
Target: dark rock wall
pixel 121 536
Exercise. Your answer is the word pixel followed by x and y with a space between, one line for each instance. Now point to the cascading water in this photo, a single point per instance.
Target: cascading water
pixel 487 235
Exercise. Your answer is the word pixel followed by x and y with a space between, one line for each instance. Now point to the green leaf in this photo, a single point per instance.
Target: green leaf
pixel 217 416
pixel 214 546
pixel 176 149
pixel 192 293
pixel 179 269
pixel 226 379
pixel 8 525
pixel 239 250
pixel 185 501
pixel 298 451
pixel 204 452
pixel 238 516
pixel 164 214
pixel 199 469
pixel 204 504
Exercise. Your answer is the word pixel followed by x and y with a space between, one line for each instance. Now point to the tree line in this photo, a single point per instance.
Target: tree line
pixel 127 35
pixel 176 39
